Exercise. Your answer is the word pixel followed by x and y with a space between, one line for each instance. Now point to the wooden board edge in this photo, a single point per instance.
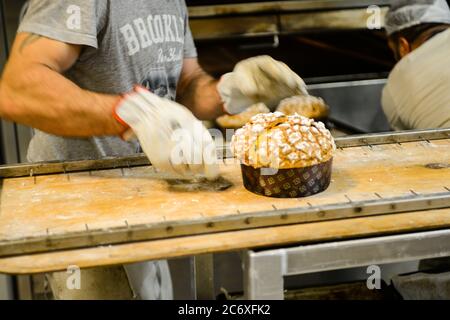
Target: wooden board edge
pixel 356 228
pixel 244 221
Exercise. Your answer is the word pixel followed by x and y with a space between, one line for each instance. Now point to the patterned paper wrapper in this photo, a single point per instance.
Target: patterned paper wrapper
pixel 288 183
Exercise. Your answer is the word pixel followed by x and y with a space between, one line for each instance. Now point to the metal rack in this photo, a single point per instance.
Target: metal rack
pixel 66 167
pixel 264 270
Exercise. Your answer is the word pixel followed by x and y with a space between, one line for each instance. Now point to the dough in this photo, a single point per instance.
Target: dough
pixel 306 106
pixel 239 120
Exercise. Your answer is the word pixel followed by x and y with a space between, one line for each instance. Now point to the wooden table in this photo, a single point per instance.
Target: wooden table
pixel 47 206
pixel 228 241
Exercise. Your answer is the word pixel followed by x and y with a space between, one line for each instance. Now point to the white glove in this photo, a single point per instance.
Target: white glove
pixel 172 138
pixel 259 79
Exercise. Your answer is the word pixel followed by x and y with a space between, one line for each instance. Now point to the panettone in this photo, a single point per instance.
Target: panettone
pixel 278 141
pixel 298 148
pixel 306 105
pixel 239 120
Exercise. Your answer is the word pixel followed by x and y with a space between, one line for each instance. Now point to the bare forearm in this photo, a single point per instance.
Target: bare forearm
pixel 199 93
pixel 41 98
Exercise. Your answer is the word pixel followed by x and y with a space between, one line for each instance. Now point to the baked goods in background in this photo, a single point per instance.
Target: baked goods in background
pixel 239 120
pixel 284 156
pixel 306 105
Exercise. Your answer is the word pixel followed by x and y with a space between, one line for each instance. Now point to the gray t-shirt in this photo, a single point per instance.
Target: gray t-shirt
pixel 126 42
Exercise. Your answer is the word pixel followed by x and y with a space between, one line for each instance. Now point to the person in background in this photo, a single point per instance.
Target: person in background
pixel 417 96
pixel 417 93
pixel 88 75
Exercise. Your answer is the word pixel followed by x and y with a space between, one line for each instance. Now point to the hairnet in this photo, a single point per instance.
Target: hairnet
pixel 404 14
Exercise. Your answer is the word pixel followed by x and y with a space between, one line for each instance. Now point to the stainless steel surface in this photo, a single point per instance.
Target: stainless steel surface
pixel 230 27
pixel 355 104
pixel 348 19
pixel 41 168
pixel 263 276
pixel 389 138
pixel 25 287
pixel 279 6
pixel 14 140
pixel 6 288
pixel 279 24
pixel 264 270
pixel 8 142
pixel 273 18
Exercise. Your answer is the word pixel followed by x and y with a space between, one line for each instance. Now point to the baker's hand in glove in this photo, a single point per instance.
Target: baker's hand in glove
pixel 259 79
pixel 172 138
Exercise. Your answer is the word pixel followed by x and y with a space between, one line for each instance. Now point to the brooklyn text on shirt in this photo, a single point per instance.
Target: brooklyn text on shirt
pixel 172 55
pixel 155 29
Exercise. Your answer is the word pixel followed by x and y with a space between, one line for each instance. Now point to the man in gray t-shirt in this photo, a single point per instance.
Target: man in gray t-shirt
pixel 87 74
pixel 119 51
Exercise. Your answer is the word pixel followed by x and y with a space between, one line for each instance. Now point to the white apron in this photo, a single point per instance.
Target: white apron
pixel 417 94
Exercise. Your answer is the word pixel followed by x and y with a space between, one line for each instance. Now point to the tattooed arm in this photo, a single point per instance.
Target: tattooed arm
pixel 198 91
pixel 34 92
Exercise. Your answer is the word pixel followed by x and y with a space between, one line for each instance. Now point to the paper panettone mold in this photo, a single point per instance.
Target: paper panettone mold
pixel 288 183
pixel 284 156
